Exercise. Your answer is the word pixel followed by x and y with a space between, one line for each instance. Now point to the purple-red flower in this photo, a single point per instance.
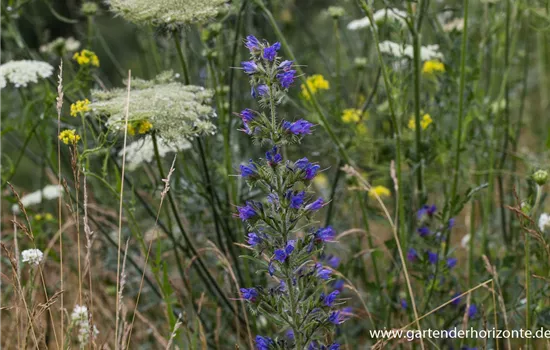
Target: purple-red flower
pixel 412 255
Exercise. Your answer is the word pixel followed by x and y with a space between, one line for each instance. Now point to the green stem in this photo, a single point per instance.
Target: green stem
pixel 460 106
pixel 181 57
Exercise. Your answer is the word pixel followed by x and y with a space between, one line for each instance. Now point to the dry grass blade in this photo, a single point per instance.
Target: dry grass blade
pixel 120 203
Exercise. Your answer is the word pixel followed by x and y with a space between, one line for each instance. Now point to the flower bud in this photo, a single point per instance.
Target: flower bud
pixel 540 177
pixel 336 11
pixel 89 8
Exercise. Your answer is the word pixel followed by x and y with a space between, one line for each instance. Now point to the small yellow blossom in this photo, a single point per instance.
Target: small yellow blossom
pixel 69 136
pixel 142 127
pixel 433 66
pixel 352 115
pixel 48 217
pixel 80 107
pixel 86 58
pixel 424 123
pixel 361 129
pixel 379 191
pixel 315 83
pixel 321 181
pixel 38 217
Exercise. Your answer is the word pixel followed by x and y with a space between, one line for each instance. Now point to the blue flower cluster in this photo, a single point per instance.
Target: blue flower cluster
pixel 305 299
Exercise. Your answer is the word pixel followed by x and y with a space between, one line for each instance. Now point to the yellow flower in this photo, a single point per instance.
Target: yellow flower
pixel 433 66
pixel 48 217
pixel 80 107
pixel 315 83
pixel 321 181
pixel 38 217
pixel 361 129
pixel 141 127
pixel 69 136
pixel 144 126
pixel 379 191
pixel 86 58
pixel 352 115
pixel 424 122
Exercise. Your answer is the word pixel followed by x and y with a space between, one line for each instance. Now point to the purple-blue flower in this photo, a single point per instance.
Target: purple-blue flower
pixel 339 285
pixel 456 299
pixel 273 157
pixel 412 255
pixel 263 89
pixel 334 346
pixel 270 52
pixel 271 269
pixel 323 273
pixel 247 115
pixel 249 67
pixel 286 78
pixel 451 262
pixel 249 170
pixel 432 257
pixel 285 65
pixel 424 231
pixel 329 299
pixel 339 317
pixel 472 311
pixel 451 223
pixel 253 239
pixel 290 247
pixel 426 209
pixel 247 211
pixel 280 255
pixel 290 334
pixel 404 304
pixel 249 294
pixel 296 200
pixel 299 127
pixel 263 343
pixel 325 234
pixel 316 205
pixel 252 43
pixel 333 261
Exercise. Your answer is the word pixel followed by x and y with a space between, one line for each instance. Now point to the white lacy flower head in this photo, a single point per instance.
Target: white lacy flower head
pixel 32 256
pixel 456 24
pixel 427 53
pixel 47 193
pixel 175 110
pixel 143 151
pixel 21 73
pixel 544 220
pixel 380 16
pixel 167 11
pixel 61 45
pixel 80 320
pixel 79 314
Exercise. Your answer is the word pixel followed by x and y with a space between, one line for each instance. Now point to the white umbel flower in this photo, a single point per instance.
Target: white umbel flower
pixel 456 24
pixel 80 320
pixel 32 256
pixel 79 314
pixel 427 53
pixel 143 151
pixel 61 45
pixel 21 73
pixel 47 193
pixel 167 11
pixel 544 220
pixel 380 16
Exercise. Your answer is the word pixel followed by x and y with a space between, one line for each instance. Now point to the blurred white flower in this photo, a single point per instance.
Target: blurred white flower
pixel 544 220
pixel 143 151
pixel 79 314
pixel 79 318
pixel 380 16
pixel 455 24
pixel 21 73
pixel 32 256
pixel 61 45
pixel 465 240
pixel 47 193
pixel 427 53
